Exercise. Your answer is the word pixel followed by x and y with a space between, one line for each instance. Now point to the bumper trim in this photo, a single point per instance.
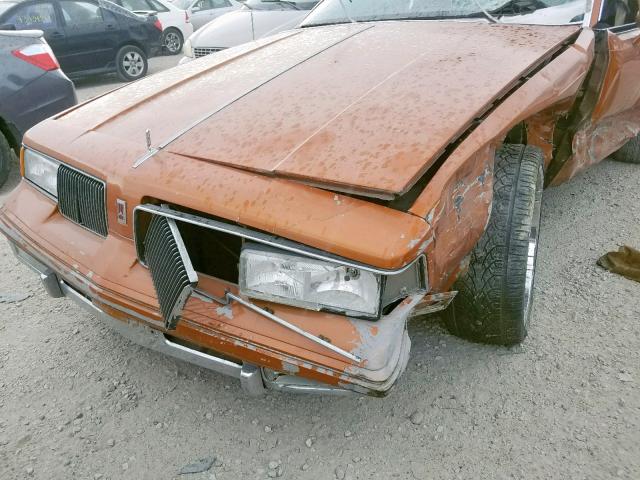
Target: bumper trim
pixel 249 375
pixel 253 379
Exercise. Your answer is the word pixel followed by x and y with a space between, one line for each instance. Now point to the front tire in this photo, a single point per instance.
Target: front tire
pixel 5 159
pixel 131 63
pixel 630 153
pixel 495 295
pixel 172 41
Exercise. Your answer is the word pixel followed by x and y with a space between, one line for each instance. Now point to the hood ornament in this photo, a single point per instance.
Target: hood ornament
pixel 150 150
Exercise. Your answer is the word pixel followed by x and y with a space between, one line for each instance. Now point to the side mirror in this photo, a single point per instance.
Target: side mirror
pixel 8 26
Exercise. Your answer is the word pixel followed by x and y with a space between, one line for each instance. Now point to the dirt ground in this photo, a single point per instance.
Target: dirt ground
pixel 79 401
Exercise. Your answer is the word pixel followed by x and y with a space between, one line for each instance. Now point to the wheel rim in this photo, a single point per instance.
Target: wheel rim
pixel 133 64
pixel 172 42
pixel 532 253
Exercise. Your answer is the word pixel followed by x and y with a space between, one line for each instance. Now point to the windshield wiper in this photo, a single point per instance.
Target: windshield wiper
pixel 344 9
pixel 291 4
pixel 484 11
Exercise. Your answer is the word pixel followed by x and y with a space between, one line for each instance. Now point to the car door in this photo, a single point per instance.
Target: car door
pixel 203 11
pixel 39 16
pixel 92 35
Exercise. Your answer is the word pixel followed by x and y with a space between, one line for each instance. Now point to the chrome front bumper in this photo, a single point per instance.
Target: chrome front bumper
pixel 253 379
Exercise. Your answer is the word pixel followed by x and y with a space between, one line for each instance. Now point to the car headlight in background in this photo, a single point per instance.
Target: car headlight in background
pixel 42 171
pixel 272 275
pixel 187 49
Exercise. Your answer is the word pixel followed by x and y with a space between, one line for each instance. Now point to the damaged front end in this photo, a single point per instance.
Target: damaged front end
pixel 262 271
pixel 272 312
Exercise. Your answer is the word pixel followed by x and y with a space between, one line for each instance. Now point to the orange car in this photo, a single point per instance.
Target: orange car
pixel 277 211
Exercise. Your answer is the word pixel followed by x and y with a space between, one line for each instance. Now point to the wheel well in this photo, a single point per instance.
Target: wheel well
pixel 176 29
pixel 517 135
pixel 10 135
pixel 133 43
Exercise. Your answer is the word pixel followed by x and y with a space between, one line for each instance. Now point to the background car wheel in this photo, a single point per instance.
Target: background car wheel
pixel 5 159
pixel 630 153
pixel 131 63
pixel 495 295
pixel 172 41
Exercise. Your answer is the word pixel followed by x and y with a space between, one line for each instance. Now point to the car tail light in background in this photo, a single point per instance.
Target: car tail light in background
pixel 158 25
pixel 38 54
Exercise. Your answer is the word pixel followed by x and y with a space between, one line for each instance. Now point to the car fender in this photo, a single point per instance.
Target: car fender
pixel 457 200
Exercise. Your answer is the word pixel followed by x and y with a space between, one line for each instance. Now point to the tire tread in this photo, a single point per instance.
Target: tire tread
pixel 490 303
pixel 5 159
pixel 630 152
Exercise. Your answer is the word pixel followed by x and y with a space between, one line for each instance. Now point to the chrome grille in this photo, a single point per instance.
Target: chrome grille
pixel 203 51
pixel 81 199
pixel 173 275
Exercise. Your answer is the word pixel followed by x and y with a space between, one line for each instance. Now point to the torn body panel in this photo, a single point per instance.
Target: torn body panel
pixel 596 141
pixel 614 116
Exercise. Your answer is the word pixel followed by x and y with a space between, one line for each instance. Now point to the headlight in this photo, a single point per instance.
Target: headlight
pixel 41 171
pixel 315 284
pixel 187 49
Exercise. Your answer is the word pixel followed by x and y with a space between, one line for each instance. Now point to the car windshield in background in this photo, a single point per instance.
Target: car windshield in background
pixel 183 4
pixel 279 5
pixel 135 5
pixel 552 12
pixel 4 6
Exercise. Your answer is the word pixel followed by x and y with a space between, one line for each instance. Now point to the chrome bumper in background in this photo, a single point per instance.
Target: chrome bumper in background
pixel 253 379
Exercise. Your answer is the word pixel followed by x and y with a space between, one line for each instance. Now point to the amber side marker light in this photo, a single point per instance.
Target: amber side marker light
pixel 22 161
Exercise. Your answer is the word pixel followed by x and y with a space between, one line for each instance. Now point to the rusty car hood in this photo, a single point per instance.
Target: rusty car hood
pixel 360 107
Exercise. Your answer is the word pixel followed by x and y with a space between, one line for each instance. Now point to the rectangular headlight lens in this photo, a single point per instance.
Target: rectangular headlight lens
pixel 42 171
pixel 280 277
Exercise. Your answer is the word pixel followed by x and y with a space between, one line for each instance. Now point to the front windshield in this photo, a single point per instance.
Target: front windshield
pixel 548 12
pixel 4 6
pixel 183 4
pixel 280 4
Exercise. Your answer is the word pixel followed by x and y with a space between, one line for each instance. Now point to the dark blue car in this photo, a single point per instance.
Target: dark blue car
pixel 32 88
pixel 88 36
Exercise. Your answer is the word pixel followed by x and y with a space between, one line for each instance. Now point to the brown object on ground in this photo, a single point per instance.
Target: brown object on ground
pixel 625 262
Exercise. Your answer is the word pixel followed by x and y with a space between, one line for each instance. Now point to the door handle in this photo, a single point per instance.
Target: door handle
pixel 57 35
pixel 110 26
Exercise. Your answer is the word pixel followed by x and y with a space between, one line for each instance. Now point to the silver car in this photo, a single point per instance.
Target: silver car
pixel 202 12
pixel 255 20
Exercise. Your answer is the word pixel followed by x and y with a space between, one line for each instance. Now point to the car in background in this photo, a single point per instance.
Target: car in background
pixel 32 88
pixel 176 24
pixel 255 20
pixel 202 12
pixel 88 36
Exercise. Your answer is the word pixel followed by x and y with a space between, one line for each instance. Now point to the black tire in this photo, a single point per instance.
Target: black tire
pixel 172 41
pixel 495 295
pixel 630 153
pixel 5 159
pixel 131 63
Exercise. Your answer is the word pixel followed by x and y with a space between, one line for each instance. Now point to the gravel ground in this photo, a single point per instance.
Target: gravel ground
pixel 78 401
